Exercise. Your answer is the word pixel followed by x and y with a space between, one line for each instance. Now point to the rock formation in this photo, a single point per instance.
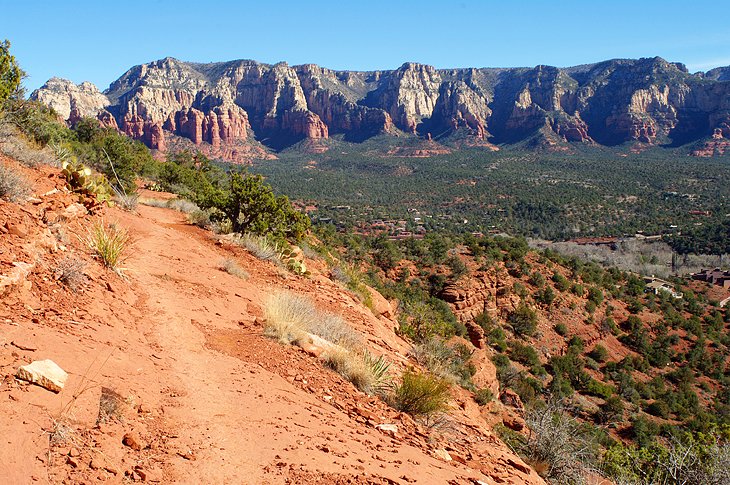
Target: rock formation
pixel 226 106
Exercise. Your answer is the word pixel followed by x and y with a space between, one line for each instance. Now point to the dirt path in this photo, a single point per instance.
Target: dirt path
pixel 239 422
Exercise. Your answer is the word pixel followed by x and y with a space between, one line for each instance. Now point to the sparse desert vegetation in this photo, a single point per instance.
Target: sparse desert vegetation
pixel 110 243
pixel 70 272
pixel 13 185
pixel 231 267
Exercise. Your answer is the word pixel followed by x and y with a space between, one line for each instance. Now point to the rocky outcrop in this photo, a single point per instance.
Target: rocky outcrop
pixel 223 106
pixel 460 105
pixel 471 297
pixel 407 94
pixel 66 97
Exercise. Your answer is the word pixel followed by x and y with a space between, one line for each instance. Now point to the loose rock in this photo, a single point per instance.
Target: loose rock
pixel 44 373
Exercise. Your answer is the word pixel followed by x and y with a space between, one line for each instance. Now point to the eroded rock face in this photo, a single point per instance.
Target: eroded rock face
pixel 223 106
pixel 64 97
pixel 470 297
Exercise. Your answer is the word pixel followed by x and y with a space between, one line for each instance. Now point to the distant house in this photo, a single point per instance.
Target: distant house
pixel 714 277
pixel 655 285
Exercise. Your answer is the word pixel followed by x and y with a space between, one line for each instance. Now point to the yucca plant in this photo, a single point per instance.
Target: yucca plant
pixel 109 243
pixel 379 368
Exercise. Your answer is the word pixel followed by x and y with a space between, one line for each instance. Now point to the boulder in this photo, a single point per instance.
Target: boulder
pixel 381 306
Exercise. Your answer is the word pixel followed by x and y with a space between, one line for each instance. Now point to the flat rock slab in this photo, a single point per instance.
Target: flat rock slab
pixel 44 373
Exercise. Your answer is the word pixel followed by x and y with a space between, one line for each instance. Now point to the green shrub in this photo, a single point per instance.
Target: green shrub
pixel 599 389
pixel 599 353
pixel 483 396
pixel 561 282
pixel 546 296
pixel 421 394
pixel 658 408
pixel 523 320
pixel 611 410
pixel 590 307
pixel 561 329
pixel 537 279
pixel 595 295
pixel 457 266
pixel 524 354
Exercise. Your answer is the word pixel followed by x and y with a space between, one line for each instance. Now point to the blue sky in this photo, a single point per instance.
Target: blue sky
pixel 99 40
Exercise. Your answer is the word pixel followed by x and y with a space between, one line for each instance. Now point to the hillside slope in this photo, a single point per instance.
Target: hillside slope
pixel 172 380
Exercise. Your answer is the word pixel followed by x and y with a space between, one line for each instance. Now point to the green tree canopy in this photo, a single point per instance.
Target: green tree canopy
pixel 10 73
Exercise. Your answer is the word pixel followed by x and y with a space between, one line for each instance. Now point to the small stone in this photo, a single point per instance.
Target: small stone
pixel 389 429
pixel 16 229
pixel 96 464
pixel 442 454
pixel 72 461
pixel 24 346
pixel 133 440
pixel 519 466
pixel 44 373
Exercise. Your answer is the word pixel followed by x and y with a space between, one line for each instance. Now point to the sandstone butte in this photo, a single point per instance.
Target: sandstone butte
pixel 171 380
pixel 241 110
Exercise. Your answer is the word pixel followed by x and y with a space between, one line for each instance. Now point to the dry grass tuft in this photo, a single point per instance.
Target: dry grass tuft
pixel 13 186
pixel 259 246
pixel 111 406
pixel 16 146
pixel 199 218
pixel 231 267
pixel 352 367
pixel 291 319
pixel 70 272
pixel 288 317
pixel 128 202
pixel 110 244
pixel 61 432
pixel 335 329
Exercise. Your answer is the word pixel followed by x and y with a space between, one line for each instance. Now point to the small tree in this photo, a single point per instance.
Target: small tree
pixel 523 320
pixel 10 73
pixel 251 206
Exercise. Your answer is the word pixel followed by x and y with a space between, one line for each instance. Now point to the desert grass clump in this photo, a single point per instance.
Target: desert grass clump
pixel 128 202
pixel 109 243
pixel 16 146
pixel 111 406
pixel 335 329
pixel 182 205
pixel 352 367
pixel 199 218
pixel 259 246
pixel 367 373
pixel 293 319
pixel 288 317
pixel 13 186
pixel 70 272
pixel 421 394
pixel 231 267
